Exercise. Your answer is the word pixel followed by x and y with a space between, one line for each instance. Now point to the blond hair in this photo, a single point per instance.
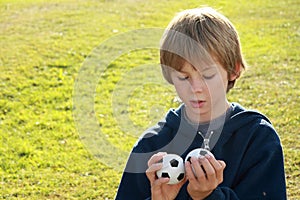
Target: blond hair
pixel 201 35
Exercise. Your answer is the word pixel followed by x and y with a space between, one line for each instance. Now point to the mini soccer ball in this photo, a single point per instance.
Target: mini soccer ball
pixel 173 168
pixel 197 153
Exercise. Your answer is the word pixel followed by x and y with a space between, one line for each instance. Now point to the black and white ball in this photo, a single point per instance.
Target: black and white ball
pixel 197 153
pixel 173 168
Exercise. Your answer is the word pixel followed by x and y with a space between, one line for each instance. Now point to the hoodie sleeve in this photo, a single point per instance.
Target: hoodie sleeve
pixel 133 186
pixel 261 172
pixel 134 182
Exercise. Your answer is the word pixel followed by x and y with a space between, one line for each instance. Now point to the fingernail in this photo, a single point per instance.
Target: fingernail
pixel 201 157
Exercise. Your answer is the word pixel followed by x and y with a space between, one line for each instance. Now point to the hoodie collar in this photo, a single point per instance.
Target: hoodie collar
pixel 237 118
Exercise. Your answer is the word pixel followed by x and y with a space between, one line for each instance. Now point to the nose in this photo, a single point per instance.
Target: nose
pixel 197 85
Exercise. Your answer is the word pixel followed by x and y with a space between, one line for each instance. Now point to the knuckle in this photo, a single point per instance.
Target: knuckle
pixel 219 168
pixel 223 164
pixel 195 187
pixel 191 177
pixel 221 180
pixel 210 173
pixel 201 176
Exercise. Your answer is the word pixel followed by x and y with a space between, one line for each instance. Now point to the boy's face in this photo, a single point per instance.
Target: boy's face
pixel 203 91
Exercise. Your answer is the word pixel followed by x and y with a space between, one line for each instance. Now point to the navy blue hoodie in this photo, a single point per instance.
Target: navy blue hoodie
pixel 247 143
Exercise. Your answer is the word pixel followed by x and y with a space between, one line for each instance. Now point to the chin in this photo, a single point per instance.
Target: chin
pixel 198 115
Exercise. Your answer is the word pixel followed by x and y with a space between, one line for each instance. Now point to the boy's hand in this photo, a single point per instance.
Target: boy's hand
pixel 160 190
pixel 206 175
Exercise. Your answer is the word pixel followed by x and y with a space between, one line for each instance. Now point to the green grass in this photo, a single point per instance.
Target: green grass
pixel 43 46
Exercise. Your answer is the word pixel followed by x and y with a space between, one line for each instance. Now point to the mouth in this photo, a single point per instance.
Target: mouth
pixel 197 103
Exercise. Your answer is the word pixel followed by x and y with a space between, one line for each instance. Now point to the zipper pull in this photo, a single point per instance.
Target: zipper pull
pixel 206 144
pixel 206 141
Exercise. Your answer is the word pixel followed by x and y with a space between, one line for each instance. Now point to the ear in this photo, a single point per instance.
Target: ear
pixel 236 73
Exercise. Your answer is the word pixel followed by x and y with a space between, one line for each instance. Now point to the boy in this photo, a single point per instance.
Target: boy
pixel 201 56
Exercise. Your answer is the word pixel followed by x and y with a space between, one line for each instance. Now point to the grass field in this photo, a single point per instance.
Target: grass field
pixel 44 153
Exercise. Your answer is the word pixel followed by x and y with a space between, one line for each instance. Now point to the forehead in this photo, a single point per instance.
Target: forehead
pixel 203 66
pixel 178 62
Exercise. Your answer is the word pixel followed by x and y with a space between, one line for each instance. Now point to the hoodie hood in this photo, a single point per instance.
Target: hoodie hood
pixel 239 117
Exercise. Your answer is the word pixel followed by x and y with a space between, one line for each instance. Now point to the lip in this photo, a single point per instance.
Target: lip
pixel 197 103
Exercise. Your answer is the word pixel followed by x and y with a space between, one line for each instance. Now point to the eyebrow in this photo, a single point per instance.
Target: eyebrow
pixel 195 69
pixel 208 68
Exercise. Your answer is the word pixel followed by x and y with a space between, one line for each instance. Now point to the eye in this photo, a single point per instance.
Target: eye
pixel 209 73
pixel 208 76
pixel 183 78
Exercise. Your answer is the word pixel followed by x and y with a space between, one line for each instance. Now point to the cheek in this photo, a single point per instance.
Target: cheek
pixel 217 86
pixel 180 87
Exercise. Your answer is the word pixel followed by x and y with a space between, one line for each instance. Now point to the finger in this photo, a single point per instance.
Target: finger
pixel 198 169
pixel 215 163
pixel 218 166
pixel 157 184
pixel 151 171
pixel 189 174
pixel 156 158
pixel 208 168
pixel 221 171
pixel 222 163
